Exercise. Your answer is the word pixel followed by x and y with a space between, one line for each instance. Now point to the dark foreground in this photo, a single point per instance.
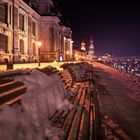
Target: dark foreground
pixel 71 104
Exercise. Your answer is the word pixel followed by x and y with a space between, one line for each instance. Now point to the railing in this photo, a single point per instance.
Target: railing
pixel 127 64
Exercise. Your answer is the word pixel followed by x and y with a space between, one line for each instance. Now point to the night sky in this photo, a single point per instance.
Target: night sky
pixel 114 25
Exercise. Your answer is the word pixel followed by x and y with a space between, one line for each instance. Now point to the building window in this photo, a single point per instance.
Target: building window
pixel 62 43
pixel 52 39
pixel 15 16
pixel 34 49
pixel 33 28
pixel 21 46
pixel 29 25
pixel 21 22
pixel 3 43
pixel 10 12
pixel 3 12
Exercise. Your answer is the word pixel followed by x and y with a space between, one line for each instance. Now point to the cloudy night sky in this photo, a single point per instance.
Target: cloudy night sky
pixel 114 25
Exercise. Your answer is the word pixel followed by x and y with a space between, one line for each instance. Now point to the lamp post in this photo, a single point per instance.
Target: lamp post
pixel 39 44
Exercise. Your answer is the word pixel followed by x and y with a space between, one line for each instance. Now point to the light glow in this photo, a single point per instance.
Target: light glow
pixel 67 52
pixel 39 43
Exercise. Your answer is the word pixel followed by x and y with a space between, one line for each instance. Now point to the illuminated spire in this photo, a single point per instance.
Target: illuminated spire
pixel 91 49
pixel 91 43
pixel 83 46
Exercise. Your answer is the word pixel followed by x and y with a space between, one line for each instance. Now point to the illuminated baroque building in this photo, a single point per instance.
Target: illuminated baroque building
pixel 81 53
pixel 23 23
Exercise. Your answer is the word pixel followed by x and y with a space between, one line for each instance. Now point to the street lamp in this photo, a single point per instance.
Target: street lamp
pixel 39 44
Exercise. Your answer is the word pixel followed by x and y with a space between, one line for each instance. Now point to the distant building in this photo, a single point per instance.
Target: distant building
pixel 83 46
pixel 107 55
pixel 79 55
pixel 23 23
pixel 91 53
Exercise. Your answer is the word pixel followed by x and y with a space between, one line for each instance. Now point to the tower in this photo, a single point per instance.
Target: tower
pixel 83 46
pixel 91 53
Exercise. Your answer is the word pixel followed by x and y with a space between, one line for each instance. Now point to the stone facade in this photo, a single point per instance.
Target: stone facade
pixel 22 27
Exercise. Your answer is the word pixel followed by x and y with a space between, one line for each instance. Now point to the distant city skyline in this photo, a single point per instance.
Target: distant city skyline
pixel 114 25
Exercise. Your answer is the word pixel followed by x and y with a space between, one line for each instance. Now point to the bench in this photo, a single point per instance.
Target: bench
pixel 78 123
pixel 10 91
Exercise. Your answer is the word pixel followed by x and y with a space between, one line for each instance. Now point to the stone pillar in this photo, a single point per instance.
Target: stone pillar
pixel 65 44
pixel 29 39
pixel 71 49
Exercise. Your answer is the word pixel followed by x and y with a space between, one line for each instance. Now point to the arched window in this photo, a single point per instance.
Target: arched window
pixel 21 46
pixel 3 43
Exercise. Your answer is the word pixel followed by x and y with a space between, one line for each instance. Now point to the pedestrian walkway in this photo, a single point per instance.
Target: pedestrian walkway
pixel 115 102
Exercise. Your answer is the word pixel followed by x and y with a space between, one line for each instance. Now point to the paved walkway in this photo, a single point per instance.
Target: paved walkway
pixel 116 103
pixel 32 65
